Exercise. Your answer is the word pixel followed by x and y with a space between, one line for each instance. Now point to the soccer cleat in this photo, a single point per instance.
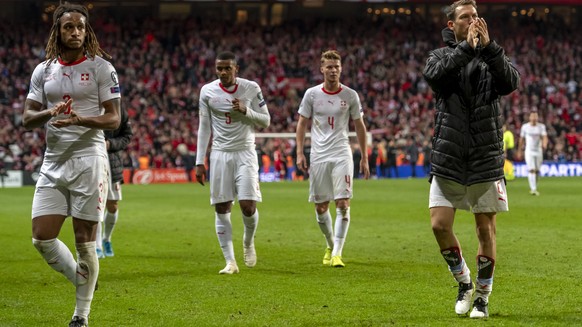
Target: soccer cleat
pixel 336 261
pixel 100 253
pixel 231 268
pixel 480 309
pixel 78 322
pixel 108 249
pixel 327 257
pixel 463 303
pixel 250 256
pixel 535 193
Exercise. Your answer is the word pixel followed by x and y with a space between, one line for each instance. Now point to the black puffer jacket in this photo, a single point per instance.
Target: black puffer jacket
pixel 467 146
pixel 118 140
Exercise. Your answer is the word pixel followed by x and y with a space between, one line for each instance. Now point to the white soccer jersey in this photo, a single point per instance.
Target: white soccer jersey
pixel 89 82
pixel 330 116
pixel 533 135
pixel 231 130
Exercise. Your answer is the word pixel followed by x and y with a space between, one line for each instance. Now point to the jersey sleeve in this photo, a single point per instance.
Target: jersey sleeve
pixel 522 131
pixel 306 106
pixel 36 89
pixel 356 110
pixel 258 112
pixel 204 128
pixel 544 131
pixel 108 82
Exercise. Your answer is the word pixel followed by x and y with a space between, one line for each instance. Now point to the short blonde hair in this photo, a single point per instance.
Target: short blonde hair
pixel 330 55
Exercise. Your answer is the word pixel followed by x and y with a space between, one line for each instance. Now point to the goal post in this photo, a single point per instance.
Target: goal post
pixel 292 136
pixel 279 165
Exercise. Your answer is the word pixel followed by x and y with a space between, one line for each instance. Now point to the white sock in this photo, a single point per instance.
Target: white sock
pixel 461 273
pixel 110 221
pixel 58 256
pixel 251 224
pixel 531 177
pixel 342 223
pixel 224 233
pixel 99 236
pixel 87 273
pixel 324 221
pixel 483 288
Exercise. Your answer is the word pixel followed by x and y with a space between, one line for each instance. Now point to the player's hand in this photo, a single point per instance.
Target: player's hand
pixel 237 105
pixel 301 162
pixel 472 35
pixel 482 31
pixel 364 168
pixel 72 120
pixel 200 174
pixel 60 107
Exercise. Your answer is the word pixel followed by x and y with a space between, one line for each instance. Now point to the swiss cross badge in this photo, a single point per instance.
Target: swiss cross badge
pixel 85 77
pixel 343 103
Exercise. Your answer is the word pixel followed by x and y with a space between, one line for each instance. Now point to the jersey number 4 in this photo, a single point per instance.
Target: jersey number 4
pixel 331 121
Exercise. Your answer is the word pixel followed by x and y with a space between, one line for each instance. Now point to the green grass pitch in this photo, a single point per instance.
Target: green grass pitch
pixel 167 258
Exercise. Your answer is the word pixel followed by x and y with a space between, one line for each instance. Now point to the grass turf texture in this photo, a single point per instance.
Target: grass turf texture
pixel 167 258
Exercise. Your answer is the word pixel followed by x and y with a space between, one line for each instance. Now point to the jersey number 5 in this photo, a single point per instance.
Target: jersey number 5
pixel 228 119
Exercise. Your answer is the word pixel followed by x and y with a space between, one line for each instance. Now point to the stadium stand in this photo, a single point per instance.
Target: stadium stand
pixel 162 63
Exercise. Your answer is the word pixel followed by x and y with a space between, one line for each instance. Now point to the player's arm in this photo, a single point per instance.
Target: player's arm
pixel 544 142
pixel 300 142
pixel 35 115
pixel 521 144
pixel 258 114
pixel 504 74
pixel 122 136
pixel 109 120
pixel 440 67
pixel 361 135
pixel 204 132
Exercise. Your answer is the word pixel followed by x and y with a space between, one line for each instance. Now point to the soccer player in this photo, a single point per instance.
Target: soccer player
pixel 230 109
pixel 468 76
pixel 75 94
pixel 534 138
pixel 116 141
pixel 330 106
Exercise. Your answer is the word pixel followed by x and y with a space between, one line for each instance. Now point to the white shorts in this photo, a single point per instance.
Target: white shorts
pixel 114 193
pixel 234 174
pixel 76 187
pixel 331 180
pixel 534 160
pixel 477 198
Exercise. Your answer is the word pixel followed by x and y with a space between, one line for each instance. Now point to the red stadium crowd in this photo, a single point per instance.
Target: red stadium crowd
pixel 163 63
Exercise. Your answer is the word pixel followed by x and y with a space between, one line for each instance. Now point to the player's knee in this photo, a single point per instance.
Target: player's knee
pixel 342 204
pixel 321 208
pixel 43 245
pixel 249 210
pixel 111 206
pixel 439 227
pixel 486 232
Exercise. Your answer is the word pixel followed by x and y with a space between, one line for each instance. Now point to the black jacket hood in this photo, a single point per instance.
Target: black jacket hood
pixel 449 37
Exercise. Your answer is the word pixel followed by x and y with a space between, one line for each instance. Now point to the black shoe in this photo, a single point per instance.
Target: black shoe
pixel 78 322
pixel 480 309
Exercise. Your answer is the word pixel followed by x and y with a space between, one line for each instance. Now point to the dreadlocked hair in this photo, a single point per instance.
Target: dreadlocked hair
pixel 53 47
